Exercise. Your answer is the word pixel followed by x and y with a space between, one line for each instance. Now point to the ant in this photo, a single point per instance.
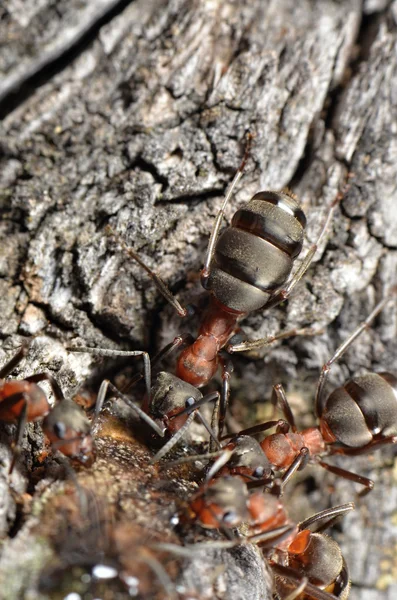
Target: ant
pixel 247 267
pixel 356 418
pixel 311 560
pixel 23 401
pixel 169 407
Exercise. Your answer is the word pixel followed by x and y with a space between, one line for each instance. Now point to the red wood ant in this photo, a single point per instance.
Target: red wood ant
pixel 170 406
pixel 356 418
pixel 311 560
pixel 247 267
pixel 65 425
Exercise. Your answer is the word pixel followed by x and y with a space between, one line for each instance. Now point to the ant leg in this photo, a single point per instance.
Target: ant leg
pixel 206 270
pixel 161 575
pixel 19 434
pixel 174 440
pixel 319 400
pixel 106 352
pixel 330 514
pixel 105 385
pixel 267 341
pixel 58 393
pixel 177 343
pixel 282 427
pixel 213 437
pixel 367 483
pixel 158 282
pixel 191 458
pixel 298 591
pixel 215 425
pixel 297 464
pixel 312 591
pixel 15 360
pixel 227 370
pixel 279 397
pixel 368 448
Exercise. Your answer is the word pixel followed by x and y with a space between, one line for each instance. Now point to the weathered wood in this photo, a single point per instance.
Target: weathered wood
pixel 143 129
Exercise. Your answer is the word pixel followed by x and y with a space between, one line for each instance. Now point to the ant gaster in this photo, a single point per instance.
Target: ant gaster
pixel 23 401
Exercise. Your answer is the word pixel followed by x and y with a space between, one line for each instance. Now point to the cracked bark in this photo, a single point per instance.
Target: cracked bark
pixel 133 115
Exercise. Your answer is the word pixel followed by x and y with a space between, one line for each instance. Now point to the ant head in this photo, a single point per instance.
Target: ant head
pixel 68 428
pixel 248 458
pixel 170 395
pixel 222 503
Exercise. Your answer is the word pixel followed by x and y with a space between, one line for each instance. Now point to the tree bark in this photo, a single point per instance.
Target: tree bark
pixel 134 115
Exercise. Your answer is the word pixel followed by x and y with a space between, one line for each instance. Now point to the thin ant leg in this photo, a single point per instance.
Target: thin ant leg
pixel 299 462
pixel 207 426
pixel 280 396
pixel 161 575
pixel 367 483
pixel 70 473
pixel 205 273
pixel 267 341
pixel 58 393
pixel 105 385
pixel 174 440
pixel 227 370
pixel 330 514
pixel 281 425
pixel 218 464
pixel 334 449
pixel 284 293
pixel 215 425
pixel 176 344
pixel 192 458
pixel 15 360
pixel 319 400
pixel 106 352
pixel 158 282
pixel 298 591
pixel 19 434
pixel 311 590
pixel 187 551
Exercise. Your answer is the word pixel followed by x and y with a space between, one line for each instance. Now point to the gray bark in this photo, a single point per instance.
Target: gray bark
pixel 139 123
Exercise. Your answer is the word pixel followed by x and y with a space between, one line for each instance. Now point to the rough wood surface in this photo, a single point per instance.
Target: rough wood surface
pixel 142 126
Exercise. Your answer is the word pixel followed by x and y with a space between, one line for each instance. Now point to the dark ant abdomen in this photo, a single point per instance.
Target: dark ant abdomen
pixel 365 407
pixel 254 256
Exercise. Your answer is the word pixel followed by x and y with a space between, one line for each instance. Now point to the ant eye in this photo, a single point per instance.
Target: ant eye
pixel 190 401
pixel 229 517
pixel 259 471
pixel 60 430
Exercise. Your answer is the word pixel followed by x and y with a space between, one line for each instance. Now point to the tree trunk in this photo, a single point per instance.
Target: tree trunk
pixel 134 115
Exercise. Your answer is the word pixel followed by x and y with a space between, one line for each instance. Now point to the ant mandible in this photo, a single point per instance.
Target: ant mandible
pixel 23 401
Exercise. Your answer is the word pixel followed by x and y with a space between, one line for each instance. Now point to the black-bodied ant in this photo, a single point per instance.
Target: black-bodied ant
pixel 23 401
